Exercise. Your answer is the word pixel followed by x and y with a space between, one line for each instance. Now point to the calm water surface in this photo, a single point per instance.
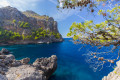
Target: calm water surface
pixel 71 62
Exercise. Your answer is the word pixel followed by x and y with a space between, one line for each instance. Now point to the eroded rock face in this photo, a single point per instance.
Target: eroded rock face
pixel 4 51
pixel 2 77
pixel 48 65
pixel 41 69
pixel 8 14
pixel 115 74
pixel 25 72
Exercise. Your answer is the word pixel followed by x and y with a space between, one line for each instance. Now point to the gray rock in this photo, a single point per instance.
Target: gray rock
pixel 115 74
pixel 9 58
pixel 13 69
pixel 2 77
pixel 4 51
pixel 16 63
pixel 25 72
pixel 25 60
pixel 2 56
pixel 48 65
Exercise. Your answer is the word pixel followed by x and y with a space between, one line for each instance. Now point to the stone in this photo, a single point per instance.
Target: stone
pixel 2 56
pixel 9 58
pixel 25 60
pixel 24 72
pixel 16 63
pixel 12 69
pixel 2 77
pixel 2 64
pixel 115 74
pixel 48 65
pixel 4 51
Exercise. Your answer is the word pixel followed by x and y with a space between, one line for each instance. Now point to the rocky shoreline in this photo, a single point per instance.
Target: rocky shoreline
pixel 30 42
pixel 12 69
pixel 115 74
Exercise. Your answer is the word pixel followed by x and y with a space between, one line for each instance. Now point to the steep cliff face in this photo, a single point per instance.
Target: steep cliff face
pixel 27 23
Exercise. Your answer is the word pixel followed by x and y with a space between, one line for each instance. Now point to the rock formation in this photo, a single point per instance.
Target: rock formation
pixel 115 74
pixel 12 69
pixel 25 23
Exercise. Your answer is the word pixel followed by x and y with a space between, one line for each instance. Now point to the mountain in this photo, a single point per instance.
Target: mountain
pixel 27 27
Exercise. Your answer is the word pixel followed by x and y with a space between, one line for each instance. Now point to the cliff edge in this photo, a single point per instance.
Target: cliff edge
pixel 115 74
pixel 12 69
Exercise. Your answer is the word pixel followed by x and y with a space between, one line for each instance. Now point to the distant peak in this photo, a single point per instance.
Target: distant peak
pixel 9 7
pixel 30 11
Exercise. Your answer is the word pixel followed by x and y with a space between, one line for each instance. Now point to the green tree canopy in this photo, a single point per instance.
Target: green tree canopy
pixel 105 33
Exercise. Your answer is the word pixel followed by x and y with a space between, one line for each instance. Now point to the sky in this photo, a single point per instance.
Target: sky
pixel 65 18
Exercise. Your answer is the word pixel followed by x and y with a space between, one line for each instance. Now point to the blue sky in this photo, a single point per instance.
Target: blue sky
pixel 48 7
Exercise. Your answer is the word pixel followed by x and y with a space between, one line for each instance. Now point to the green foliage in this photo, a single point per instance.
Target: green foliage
pixel 6 35
pixel 57 35
pixel 103 33
pixel 40 33
pixel 21 24
pixel 14 21
pixel 26 25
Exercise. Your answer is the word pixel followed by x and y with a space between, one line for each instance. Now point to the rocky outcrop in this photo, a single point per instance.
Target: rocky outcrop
pixel 4 51
pixel 9 14
pixel 115 74
pixel 12 69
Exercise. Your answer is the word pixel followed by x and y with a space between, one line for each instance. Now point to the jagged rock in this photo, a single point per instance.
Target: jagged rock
pixel 4 51
pixel 2 64
pixel 16 63
pixel 25 60
pixel 115 74
pixel 2 77
pixel 9 58
pixel 48 65
pixel 2 56
pixel 24 72
pixel 13 69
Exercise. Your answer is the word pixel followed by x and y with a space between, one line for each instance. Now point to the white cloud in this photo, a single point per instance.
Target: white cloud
pixel 62 14
pixel 20 4
pixel 4 3
pixel 53 1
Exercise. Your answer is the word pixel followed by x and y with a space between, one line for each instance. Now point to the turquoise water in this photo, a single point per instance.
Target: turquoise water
pixel 71 62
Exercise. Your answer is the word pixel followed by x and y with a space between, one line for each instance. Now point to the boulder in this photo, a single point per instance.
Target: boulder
pixel 25 60
pixel 16 63
pixel 4 51
pixel 48 65
pixel 2 56
pixel 9 58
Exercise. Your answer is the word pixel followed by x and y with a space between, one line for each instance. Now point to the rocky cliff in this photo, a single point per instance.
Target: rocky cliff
pixel 28 26
pixel 115 74
pixel 12 69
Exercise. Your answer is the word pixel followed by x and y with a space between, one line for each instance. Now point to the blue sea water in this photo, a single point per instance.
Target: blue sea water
pixel 71 62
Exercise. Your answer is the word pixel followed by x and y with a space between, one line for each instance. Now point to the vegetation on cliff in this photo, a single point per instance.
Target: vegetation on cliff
pixel 28 25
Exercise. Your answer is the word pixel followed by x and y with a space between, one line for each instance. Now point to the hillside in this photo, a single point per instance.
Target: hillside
pixel 28 27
